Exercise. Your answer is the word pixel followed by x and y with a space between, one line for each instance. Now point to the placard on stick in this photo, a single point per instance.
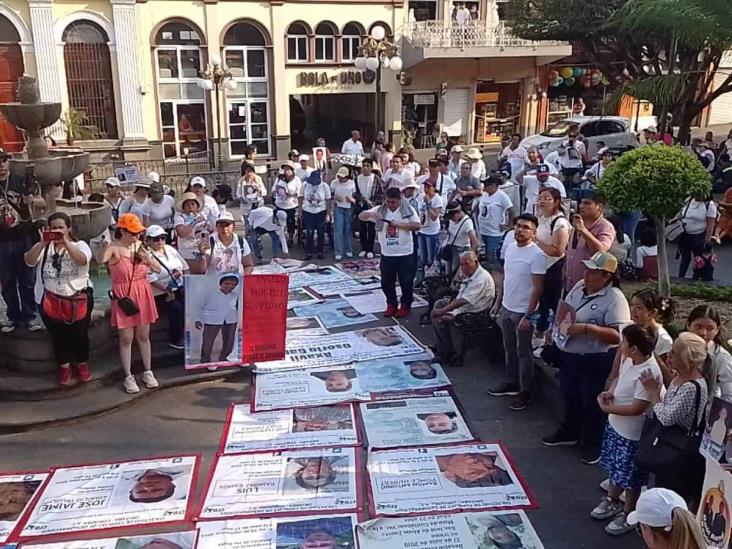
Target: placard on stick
pixel 265 317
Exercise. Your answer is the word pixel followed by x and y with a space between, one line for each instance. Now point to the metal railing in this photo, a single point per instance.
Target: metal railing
pixel 471 34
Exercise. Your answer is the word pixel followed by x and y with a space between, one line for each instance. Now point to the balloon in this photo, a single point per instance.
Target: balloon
pixel 566 72
pixel 569 82
pixel 577 72
pixel 596 76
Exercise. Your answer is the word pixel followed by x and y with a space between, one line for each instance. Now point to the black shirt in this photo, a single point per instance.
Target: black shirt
pixel 15 216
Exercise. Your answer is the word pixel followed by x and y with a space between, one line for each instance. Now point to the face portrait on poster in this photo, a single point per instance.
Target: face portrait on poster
pixel 171 540
pixel 484 530
pixel 298 326
pixel 213 320
pixel 312 532
pixel 335 312
pixel 714 515
pixel 414 422
pixel 16 493
pixel 302 481
pixel 563 320
pixel 441 479
pixel 323 426
pixel 299 297
pixel 401 374
pixel 95 497
pixel 346 286
pixel 718 432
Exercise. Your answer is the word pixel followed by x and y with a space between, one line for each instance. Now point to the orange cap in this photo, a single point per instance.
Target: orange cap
pixel 130 223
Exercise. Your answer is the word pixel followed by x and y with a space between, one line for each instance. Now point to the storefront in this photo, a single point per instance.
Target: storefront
pixel 497 111
pixel 419 117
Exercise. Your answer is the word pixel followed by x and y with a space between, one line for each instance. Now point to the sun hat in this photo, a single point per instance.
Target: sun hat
pixel 130 223
pixel 225 217
pixel 474 153
pixel 198 181
pixel 153 231
pixel 655 508
pixel 343 172
pixel 112 182
pixel 602 261
pixel 189 196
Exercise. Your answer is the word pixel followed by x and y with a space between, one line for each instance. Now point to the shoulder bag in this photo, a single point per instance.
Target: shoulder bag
pixel 61 308
pixel 675 227
pixel 126 304
pixel 448 250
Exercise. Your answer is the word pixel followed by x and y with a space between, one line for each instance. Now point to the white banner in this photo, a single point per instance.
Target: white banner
pixel 316 276
pixel 345 347
pixel 171 540
pixel 304 326
pixel 335 312
pixel 442 479
pixel 16 493
pixel 312 532
pixel 324 426
pixel 484 530
pixel 346 286
pixel 414 422
pixel 113 495
pixel 714 515
pixel 374 301
pixel 300 297
pixel 305 481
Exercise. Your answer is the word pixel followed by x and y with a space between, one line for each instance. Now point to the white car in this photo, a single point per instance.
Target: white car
pixel 614 131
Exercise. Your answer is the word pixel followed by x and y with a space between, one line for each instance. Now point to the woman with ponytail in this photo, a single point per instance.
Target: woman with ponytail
pixel 665 522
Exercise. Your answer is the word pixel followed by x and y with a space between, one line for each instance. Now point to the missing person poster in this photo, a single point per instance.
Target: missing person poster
pixel 171 540
pixel 485 530
pixel 405 374
pixel 316 276
pixel 114 495
pixel 311 532
pixel 718 431
pixel 414 422
pixel 303 326
pixel 374 301
pixel 265 316
pixel 346 286
pixel 714 515
pixel 335 312
pixel 361 268
pixel 300 297
pixel 311 387
pixel 474 477
pixel 16 492
pixel 304 481
pixel 213 320
pixel 343 348
pixel 323 426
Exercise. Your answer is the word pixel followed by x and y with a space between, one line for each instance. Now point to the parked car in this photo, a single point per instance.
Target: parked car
pixel 614 131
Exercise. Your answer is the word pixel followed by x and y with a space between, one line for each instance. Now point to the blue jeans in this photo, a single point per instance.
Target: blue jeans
pixel 629 221
pixel 428 246
pixel 342 230
pixel 254 237
pixel 314 223
pixel 492 249
pixel 17 279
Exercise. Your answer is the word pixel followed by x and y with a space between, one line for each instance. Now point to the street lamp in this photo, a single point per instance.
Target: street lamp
pixel 217 77
pixel 377 52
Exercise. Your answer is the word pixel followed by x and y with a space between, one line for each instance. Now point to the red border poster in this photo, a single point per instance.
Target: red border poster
pixel 265 317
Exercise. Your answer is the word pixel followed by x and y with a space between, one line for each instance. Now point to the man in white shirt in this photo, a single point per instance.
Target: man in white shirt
pixel 511 188
pixel 456 160
pixel 571 154
pixel 395 222
pixel 462 14
pixel 219 314
pixel 514 154
pixel 476 294
pixel 444 186
pixel 264 220
pixel 353 145
pixel 534 183
pixel 595 173
pixel 477 165
pixel 523 283
pixel 495 209
pixel 397 176
pixel 285 193
pixel 304 170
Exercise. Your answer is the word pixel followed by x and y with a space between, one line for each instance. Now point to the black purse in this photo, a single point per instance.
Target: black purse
pixel 126 304
pixel 448 250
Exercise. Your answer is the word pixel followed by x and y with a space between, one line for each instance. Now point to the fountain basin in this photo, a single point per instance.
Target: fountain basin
pixel 59 165
pixel 88 219
pixel 31 116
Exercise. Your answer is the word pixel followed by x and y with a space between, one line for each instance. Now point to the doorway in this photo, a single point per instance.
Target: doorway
pixel 419 116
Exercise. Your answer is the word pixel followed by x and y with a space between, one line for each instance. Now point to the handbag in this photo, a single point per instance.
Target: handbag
pixel 675 227
pixel 126 304
pixel 448 250
pixel 66 309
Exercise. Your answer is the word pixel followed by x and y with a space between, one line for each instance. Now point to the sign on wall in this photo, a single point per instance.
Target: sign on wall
pixel 309 79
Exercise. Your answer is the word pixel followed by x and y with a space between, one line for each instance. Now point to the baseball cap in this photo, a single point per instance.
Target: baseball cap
pixel 155 176
pixel 343 172
pixel 130 223
pixel 112 182
pixel 543 169
pixel 411 185
pixel 303 157
pixel 655 508
pixel 157 188
pixel 198 181
pixel 154 231
pixel 457 149
pixel 225 217
pixel 602 261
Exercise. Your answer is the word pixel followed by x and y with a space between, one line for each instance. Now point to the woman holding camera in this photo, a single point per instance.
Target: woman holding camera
pixel 64 292
pixel 133 305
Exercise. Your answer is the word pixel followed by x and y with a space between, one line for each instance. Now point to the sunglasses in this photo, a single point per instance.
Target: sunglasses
pixel 56 262
pixel 158 238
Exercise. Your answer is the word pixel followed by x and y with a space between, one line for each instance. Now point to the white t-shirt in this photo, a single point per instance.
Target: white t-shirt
pixel 621 249
pixel 458 232
pixel 532 187
pixel 520 264
pixel 227 259
pixel 513 190
pixel 696 214
pixel 161 213
pixel 516 157
pixel 552 160
pixel 545 234
pixel 643 252
pixel 454 169
pixel 174 263
pixel 429 225
pixel 188 247
pixel 571 157
pixel 478 170
pixel 314 197
pixel 70 279
pixel 399 180
pixel 664 342
pixel 351 147
pixel 444 185
pixel 627 389
pixel 131 205
pixel 365 185
pixel 393 241
pixel 492 210
pixel 303 173
pixel 285 193
pixel 250 193
pixel 210 210
pixel 340 191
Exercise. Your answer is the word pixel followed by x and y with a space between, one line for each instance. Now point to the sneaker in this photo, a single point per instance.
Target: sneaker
pixel 64 376
pixel 504 389
pixel 619 525
pixel 362 254
pixel 370 255
pixel 590 457
pixel 607 508
pixel 521 402
pixel 338 257
pixel 82 372
pixel 131 385
pixel 560 438
pixel 8 327
pixel 177 346
pixel 148 378
pixel 349 255
pixel 403 311
pixel 33 325
pixel 391 310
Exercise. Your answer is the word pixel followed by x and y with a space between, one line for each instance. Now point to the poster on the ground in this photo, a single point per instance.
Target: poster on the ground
pixel 265 316
pixel 343 348
pixel 718 432
pixel 404 374
pixel 335 313
pixel 323 426
pixel 293 482
pixel 714 515
pixel 300 297
pixel 473 477
pixel 414 422
pixel 360 268
pixel 374 301
pixel 213 320
pixel 483 530
pixel 316 276
pixel 311 532
pixel 306 388
pixel 346 286
pixel 304 326
pixel 16 492
pixel 170 540
pixel 114 495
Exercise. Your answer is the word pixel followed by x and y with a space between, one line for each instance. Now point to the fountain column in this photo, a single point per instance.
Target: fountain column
pixel 128 49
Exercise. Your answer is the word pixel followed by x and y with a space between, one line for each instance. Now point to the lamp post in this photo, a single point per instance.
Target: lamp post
pixel 217 77
pixel 375 53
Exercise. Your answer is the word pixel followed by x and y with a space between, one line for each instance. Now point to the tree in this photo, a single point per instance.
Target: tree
pixel 665 51
pixel 657 180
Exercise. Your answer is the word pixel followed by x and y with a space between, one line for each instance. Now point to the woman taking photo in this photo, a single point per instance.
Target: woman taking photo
pixel 133 305
pixel 665 521
pixel 191 228
pixel 65 295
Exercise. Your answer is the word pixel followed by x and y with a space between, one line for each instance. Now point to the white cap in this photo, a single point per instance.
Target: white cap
pixel 154 230
pixel 457 149
pixel 155 176
pixel 655 508
pixel 112 182
pixel 651 129
pixel 411 185
pixel 198 180
pixel 225 216
pixel 343 172
pixel 303 157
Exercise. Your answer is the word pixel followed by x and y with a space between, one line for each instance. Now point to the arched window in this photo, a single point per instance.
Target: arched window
pixel 297 43
pixel 181 101
pixel 89 76
pixel 247 105
pixel 11 68
pixel 387 28
pixel 325 43
pixel 351 41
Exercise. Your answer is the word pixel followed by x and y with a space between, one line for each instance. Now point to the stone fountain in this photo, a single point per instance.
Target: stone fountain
pixel 50 167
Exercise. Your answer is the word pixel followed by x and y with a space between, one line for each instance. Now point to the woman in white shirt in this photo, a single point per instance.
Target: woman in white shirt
pixel 342 190
pixel 428 237
pixel 622 244
pixel 461 234
pixel 315 203
pixel 192 229
pixel 136 203
pixel 493 213
pixel 249 191
pixel 167 284
pixel 64 293
pixel 285 192
pixel 159 210
pixel 698 218
pixel 369 193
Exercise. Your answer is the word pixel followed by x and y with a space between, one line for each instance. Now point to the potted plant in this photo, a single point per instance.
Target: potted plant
pixel 76 126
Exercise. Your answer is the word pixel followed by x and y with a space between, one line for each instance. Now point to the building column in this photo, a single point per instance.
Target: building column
pixel 49 79
pixel 128 63
pixel 278 97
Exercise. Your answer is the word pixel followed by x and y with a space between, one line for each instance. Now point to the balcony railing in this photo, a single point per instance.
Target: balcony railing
pixel 472 34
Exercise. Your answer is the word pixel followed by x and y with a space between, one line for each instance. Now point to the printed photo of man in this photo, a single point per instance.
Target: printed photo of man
pixel 219 314
pixel 320 533
pixel 336 381
pixel 439 423
pixel 421 369
pixel 473 470
pixel 382 337
pixel 14 496
pixel 324 418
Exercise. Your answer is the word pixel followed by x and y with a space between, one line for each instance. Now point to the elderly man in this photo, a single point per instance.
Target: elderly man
pixel 476 294
pixel 353 145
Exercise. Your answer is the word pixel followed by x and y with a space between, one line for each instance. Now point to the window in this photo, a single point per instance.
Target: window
pixel 184 127
pixel 589 130
pixel 324 43
pixel 297 43
pixel 350 42
pixel 423 10
pixel 606 127
pixel 89 77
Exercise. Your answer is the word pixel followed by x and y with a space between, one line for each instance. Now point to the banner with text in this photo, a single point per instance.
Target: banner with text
pixel 16 492
pixel 265 317
pixel 346 286
pixel 170 540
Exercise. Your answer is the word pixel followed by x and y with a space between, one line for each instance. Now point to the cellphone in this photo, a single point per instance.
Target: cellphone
pixel 52 236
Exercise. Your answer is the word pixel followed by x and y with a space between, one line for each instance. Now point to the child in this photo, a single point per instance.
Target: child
pixel 705 322
pixel 626 402
pixel 704 261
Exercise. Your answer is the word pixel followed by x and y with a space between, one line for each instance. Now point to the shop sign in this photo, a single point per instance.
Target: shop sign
pixel 424 99
pixel 345 78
